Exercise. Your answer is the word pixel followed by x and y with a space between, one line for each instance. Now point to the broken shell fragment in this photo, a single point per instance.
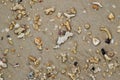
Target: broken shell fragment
pixel 72 76
pixel 37 62
pixel 107 32
pixel 95 41
pixel 64 57
pixel 4 60
pixel 79 30
pixel 110 53
pixel 107 57
pixel 62 39
pixel 96 5
pixel 73 11
pixel 37 22
pixel 1 78
pixel 10 41
pixel 118 29
pixel 12 25
pixel 111 16
pixel 17 25
pixel 59 14
pixel 94 60
pixel 3 65
pixel 21 35
pixel 49 11
pixel 32 58
pixel 19 16
pixel 69 16
pixel 19 30
pixel 104 53
pixel 87 26
pixel 67 25
pixel 38 41
pixel 18 7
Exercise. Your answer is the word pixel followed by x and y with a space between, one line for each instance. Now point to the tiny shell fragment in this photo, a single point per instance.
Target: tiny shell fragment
pixel 37 62
pixel 69 16
pixel 118 29
pixel 17 7
pixel 107 57
pixel 94 60
pixel 95 41
pixel 62 39
pixel 96 5
pixel 67 25
pixel 87 26
pixel 17 25
pixel 73 10
pixel 79 30
pixel 59 14
pixel 4 65
pixel 21 35
pixel 49 11
pixel 64 57
pixel 38 41
pixel 32 58
pixel 111 16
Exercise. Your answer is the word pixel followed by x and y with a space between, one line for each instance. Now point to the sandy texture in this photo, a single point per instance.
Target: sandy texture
pixel 85 48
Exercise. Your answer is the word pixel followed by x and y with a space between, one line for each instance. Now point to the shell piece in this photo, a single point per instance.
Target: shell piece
pixel 1 78
pixel 97 3
pixel 67 25
pixel 12 25
pixel 107 31
pixel 37 22
pixel 111 16
pixel 73 10
pixel 72 76
pixel 32 58
pixel 94 60
pixel 19 30
pixel 79 30
pixel 87 26
pixel 49 11
pixel 4 65
pixel 118 29
pixel 21 35
pixel 62 39
pixel 17 25
pixel 64 57
pixel 37 62
pixel 59 14
pixel 69 15
pixel 107 57
pixel 95 41
pixel 38 41
pixel 18 7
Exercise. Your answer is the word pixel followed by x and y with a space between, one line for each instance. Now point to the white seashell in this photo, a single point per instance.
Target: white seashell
pixel 17 25
pixel 64 38
pixel 21 35
pixel 95 41
pixel 69 15
pixel 4 65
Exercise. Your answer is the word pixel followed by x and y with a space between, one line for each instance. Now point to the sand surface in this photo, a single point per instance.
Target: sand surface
pixel 49 34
